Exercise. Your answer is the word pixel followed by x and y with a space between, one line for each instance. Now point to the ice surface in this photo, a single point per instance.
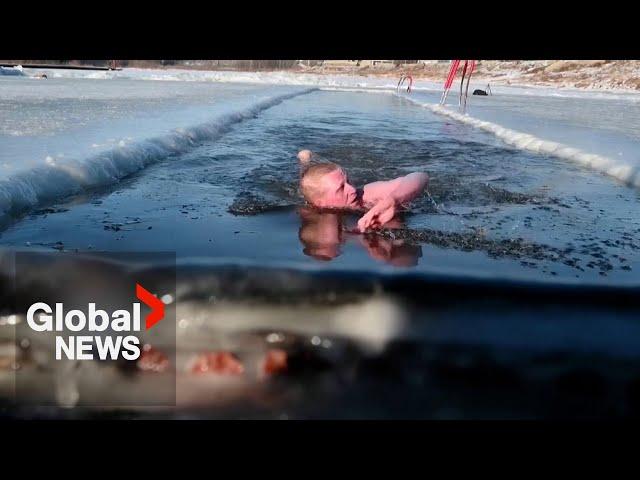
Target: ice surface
pixel 64 136
pixel 12 71
pixel 600 134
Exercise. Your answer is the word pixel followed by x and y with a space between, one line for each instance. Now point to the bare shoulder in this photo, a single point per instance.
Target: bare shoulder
pixel 402 189
pixel 374 191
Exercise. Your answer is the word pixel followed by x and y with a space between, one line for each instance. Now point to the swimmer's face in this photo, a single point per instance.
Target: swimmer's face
pixel 337 192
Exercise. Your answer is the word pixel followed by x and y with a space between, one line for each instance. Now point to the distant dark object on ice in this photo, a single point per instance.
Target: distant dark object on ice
pixel 477 91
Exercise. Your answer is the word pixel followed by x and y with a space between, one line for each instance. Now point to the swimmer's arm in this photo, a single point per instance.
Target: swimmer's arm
pixel 386 197
pixel 400 190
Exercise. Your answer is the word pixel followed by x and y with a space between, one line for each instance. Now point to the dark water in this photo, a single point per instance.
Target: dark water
pixel 483 197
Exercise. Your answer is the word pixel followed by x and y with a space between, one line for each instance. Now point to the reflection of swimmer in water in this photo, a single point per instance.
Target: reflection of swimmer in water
pixel 325 185
pixel 322 235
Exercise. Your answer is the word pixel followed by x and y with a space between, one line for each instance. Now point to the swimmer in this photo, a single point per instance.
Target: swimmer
pixel 326 185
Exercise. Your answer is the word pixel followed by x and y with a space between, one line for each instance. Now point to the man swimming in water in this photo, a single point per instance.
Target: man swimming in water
pixel 325 185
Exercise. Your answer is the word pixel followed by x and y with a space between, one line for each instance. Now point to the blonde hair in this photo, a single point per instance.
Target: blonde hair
pixel 310 180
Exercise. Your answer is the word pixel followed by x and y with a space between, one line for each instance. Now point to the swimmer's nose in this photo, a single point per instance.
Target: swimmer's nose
pixel 352 192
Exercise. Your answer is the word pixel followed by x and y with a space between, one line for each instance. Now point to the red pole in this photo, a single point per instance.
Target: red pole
pixel 447 84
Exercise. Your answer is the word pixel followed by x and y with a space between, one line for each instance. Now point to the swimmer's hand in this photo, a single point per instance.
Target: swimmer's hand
pixel 381 213
pixel 304 157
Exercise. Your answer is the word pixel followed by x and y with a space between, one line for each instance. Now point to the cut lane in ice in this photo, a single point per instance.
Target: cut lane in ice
pixel 45 183
pixel 496 211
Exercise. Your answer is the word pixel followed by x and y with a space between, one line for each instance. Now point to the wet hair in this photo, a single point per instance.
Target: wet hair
pixel 309 179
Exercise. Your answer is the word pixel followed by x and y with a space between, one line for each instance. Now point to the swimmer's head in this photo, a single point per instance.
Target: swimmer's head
pixel 305 156
pixel 325 185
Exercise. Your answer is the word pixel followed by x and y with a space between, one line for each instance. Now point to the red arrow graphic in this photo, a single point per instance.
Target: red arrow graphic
pixel 156 306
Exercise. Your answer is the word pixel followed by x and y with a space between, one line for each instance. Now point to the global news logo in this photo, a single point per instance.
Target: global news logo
pixel 73 343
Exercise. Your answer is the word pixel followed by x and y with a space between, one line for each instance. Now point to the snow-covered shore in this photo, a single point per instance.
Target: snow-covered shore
pixel 503 80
